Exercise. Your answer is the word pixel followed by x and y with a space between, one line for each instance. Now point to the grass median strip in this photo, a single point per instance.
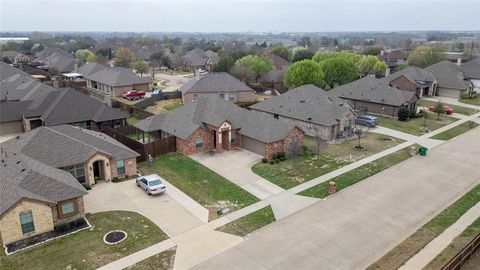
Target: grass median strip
pixel 199 182
pixel 86 249
pixel 456 108
pixel 249 223
pixel 455 247
pixel 161 261
pixel 454 132
pixel 418 240
pixel 472 101
pixel 356 175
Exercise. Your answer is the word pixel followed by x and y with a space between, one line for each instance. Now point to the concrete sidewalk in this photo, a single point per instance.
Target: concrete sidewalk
pixel 430 251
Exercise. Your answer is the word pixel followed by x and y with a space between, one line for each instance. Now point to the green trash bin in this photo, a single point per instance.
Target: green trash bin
pixel 423 151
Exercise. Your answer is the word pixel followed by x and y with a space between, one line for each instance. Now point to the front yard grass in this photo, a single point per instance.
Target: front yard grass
pixel 472 101
pixel 455 247
pixel 456 108
pixel 415 126
pixel 249 223
pixel 356 175
pixel 199 182
pixel 288 174
pixel 454 132
pixel 418 240
pixel 161 261
pixel 85 249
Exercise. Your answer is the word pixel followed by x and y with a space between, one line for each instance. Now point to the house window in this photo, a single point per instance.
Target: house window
pixel 68 208
pixel 275 116
pixel 78 171
pixel 26 220
pixel 120 167
pixel 199 142
pixel 232 136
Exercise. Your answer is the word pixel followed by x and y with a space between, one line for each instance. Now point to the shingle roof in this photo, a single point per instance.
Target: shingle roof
pixel 278 61
pixel 413 74
pixel 117 76
pixel 373 90
pixel 183 121
pixel 392 54
pixel 449 75
pixel 9 54
pixel 307 103
pixel 12 111
pixel 215 83
pixel 90 68
pixel 7 70
pixel 61 61
pixel 272 76
pixel 471 69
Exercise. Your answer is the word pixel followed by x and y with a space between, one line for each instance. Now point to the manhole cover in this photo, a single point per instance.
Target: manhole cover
pixel 114 237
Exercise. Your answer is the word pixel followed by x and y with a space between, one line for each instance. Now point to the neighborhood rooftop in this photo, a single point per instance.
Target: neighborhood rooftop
pixel 215 82
pixel 449 75
pixel 117 76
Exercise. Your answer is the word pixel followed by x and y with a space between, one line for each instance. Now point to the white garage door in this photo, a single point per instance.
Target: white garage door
pixel 446 92
pixel 253 145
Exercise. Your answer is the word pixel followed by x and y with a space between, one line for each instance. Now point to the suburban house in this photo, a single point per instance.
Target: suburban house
pixel 42 173
pixel 393 58
pixel 198 59
pixel 471 71
pixel 315 111
pixel 451 81
pixel 90 68
pixel 375 96
pixel 13 57
pixel 56 61
pixel 219 84
pixel 211 123
pixel 420 81
pixel 273 80
pixel 278 61
pixel 115 81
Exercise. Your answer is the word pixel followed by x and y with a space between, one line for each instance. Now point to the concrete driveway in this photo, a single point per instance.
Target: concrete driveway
pixel 174 82
pixel 235 165
pixel 166 212
pixel 352 229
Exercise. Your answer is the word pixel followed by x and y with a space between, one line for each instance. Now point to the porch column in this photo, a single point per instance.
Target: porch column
pixel 219 141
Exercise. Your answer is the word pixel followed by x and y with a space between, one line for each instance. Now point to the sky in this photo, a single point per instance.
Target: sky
pixel 239 16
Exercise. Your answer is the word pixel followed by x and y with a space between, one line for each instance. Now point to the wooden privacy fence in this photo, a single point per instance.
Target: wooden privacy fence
pixel 464 255
pixel 159 146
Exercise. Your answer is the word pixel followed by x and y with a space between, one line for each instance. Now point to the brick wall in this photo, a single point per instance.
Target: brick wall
pixel 130 168
pixel 284 145
pixel 404 84
pixel 188 146
pixel 57 211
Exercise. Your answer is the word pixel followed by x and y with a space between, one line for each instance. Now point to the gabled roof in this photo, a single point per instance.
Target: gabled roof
pixel 278 61
pixel 7 70
pixel 384 55
pixel 61 61
pixel 30 161
pixel 215 83
pixel 373 90
pixel 413 74
pixel 471 69
pixel 117 76
pixel 307 103
pixel 9 54
pixel 90 68
pixel 194 57
pixel 213 110
pixel 449 75
pixel 212 56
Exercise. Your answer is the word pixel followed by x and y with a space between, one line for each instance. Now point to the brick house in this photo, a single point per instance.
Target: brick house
pixel 451 79
pixel 212 124
pixel 375 96
pixel 393 58
pixel 115 81
pixel 219 84
pixel 420 81
pixel 317 112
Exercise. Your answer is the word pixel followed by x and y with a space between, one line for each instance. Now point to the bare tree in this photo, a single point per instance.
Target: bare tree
pixel 321 143
pixel 295 150
pixel 360 131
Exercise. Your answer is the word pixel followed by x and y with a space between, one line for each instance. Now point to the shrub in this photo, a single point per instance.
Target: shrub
pixel 271 162
pixel 30 241
pixel 264 160
pixel 62 227
pixel 79 222
pixel 413 113
pixel 274 156
pixel 86 186
pixel 277 160
pixel 403 114
pixel 115 179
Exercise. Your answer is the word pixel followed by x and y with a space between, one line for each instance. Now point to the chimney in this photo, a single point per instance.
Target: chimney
pixel 382 52
pixel 459 61
pixel 197 74
pixel 387 72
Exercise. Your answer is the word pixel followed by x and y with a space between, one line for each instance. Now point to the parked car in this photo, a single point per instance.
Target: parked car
pixel 447 110
pixel 133 95
pixel 156 92
pixel 366 120
pixel 151 184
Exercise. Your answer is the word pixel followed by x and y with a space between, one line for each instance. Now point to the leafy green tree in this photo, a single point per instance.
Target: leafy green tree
pixel 259 65
pixel 37 48
pixel 301 54
pixel 281 50
pixel 83 54
pixel 140 67
pixel 124 57
pixel 166 61
pixel 424 56
pixel 338 71
pixel 304 72
pixel 379 68
pixel 372 51
pixel 105 52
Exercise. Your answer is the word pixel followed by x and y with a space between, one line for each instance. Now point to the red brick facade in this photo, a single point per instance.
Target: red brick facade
pixel 78 213
pixel 188 146
pixel 130 168
pixel 284 145
pixel 404 84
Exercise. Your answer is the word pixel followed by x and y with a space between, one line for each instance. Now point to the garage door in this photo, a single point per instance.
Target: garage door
pixel 253 145
pixel 446 92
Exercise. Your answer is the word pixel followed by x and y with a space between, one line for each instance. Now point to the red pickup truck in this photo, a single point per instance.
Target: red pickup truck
pixel 133 95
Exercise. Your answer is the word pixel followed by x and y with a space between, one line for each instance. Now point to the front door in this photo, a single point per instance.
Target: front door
pixel 97 171
pixel 214 139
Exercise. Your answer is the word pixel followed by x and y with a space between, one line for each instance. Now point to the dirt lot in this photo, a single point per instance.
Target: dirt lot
pixel 163 106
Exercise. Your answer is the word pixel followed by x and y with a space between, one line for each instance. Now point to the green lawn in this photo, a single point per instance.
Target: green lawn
pixel 356 175
pixel 250 222
pixel 472 101
pixel 415 126
pixel 455 247
pixel 418 240
pixel 85 249
pixel 199 182
pixel 288 174
pixel 161 261
pixel 454 132
pixel 132 120
pixel 456 109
